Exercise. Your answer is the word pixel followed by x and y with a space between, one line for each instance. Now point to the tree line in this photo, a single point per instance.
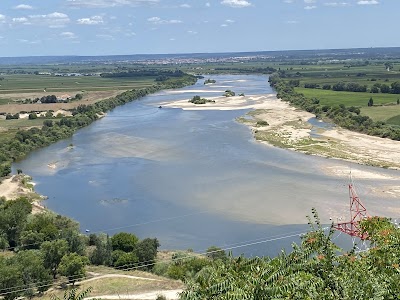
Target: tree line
pixel 24 141
pixel 393 88
pixel 346 117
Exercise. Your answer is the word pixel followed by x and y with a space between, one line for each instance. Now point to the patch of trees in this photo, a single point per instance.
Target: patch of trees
pixel 346 117
pixel 209 81
pixel 49 99
pixel 12 117
pixel 47 246
pixel 294 82
pixel 311 86
pixel 349 87
pixel 393 88
pixel 24 141
pixel 199 100
pixel 229 93
pixel 52 99
pixel 315 269
pixel 186 265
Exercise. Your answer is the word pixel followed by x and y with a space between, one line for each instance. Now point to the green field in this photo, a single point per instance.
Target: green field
pixel 23 123
pixel 381 113
pixel 328 97
pixel 12 84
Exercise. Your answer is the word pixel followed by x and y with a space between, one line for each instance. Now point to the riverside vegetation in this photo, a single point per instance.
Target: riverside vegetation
pixel 17 145
pixel 348 117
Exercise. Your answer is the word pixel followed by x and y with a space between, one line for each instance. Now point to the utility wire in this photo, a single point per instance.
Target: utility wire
pixel 151 263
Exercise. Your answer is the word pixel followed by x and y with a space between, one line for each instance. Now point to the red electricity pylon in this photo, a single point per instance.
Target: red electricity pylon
pixel 358 212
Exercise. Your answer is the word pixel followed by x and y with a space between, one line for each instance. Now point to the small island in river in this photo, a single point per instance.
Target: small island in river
pixel 199 100
pixel 209 81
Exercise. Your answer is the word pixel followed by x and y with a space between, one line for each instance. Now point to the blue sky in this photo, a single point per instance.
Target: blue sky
pixel 102 27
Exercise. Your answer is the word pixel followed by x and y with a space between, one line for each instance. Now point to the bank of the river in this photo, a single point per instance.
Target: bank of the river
pixel 18 144
pixel 290 128
pixel 195 178
pixel 21 185
pixel 279 124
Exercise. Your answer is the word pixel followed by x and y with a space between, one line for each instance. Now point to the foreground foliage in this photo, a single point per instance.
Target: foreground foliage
pixel 42 247
pixel 316 269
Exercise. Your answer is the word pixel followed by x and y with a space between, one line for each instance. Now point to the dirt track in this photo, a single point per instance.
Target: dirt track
pixel 169 294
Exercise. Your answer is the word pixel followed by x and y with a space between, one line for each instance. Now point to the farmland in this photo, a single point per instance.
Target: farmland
pixel 350 83
pixel 331 98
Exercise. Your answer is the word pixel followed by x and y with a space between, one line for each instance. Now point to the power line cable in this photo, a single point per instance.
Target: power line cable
pixel 151 263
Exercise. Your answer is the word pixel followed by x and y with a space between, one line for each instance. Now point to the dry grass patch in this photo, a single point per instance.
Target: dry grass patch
pixel 117 285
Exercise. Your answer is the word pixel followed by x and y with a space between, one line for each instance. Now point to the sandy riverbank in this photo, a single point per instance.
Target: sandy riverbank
pixel 20 186
pixel 289 128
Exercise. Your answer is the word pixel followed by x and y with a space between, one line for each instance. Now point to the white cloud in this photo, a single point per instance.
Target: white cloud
pixel 29 42
pixel 310 7
pixel 68 35
pixel 229 21
pixel 53 20
pixel 310 1
pixel 224 25
pixel 208 4
pixel 172 39
pixel 292 22
pixel 2 18
pixel 23 6
pixel 192 32
pixel 159 21
pixel 288 1
pixel 109 3
pixel 95 20
pixel 22 20
pixel 337 4
pixel 236 3
pixel 185 5
pixel 368 2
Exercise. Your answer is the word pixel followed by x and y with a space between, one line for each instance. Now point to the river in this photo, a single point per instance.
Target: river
pixel 190 178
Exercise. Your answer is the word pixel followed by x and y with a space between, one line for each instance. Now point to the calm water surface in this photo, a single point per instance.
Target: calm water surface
pixel 190 178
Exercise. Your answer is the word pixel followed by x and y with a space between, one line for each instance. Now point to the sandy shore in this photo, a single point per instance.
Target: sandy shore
pixel 225 103
pixel 289 128
pixel 13 188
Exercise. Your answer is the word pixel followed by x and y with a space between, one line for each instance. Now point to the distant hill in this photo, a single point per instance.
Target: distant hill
pixel 361 53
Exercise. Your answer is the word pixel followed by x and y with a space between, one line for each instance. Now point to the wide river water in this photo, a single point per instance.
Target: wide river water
pixel 191 178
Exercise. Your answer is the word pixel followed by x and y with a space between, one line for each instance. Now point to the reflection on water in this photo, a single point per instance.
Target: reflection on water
pixel 190 178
